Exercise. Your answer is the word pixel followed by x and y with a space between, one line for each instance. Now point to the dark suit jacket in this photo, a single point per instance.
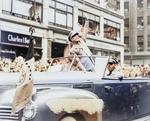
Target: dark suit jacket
pixel 147 75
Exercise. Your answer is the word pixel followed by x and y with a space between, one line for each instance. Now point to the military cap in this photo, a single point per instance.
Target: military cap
pixel 113 60
pixel 72 34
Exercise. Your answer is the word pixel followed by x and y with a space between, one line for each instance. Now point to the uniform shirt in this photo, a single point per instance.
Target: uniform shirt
pixel 113 74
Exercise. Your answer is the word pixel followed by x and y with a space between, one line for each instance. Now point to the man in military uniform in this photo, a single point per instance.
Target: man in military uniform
pixel 110 71
pixel 79 47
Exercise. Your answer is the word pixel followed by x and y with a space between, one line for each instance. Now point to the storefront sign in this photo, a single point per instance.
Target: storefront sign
pixel 18 39
pixel 11 38
pixel 101 45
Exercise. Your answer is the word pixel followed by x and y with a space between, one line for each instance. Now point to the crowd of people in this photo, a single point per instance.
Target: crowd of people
pixel 77 46
pixel 7 65
pixel 134 71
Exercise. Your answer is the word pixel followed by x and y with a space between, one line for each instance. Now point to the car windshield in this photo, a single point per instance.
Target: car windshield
pixel 70 63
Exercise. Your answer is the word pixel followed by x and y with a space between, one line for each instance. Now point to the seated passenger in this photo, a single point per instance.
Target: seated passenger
pixel 66 64
pixel 146 72
pixel 110 71
pixel 87 62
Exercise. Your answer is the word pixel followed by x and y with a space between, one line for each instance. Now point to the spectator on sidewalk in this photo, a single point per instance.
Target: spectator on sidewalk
pixel 146 72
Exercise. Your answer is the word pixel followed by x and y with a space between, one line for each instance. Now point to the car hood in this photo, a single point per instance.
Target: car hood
pixel 49 77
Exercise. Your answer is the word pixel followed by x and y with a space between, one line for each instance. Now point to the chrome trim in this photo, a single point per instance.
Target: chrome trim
pixel 5 114
pixel 5 106
pixel 6 117
pixel 146 118
pixel 34 109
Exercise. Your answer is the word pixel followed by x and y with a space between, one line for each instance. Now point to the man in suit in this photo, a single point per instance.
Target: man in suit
pixel 146 72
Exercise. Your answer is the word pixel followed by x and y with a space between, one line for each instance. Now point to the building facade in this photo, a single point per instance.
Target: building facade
pixel 54 19
pixel 137 32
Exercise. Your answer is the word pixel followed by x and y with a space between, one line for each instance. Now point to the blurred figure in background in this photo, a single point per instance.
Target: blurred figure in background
pixel 132 72
pixel 146 72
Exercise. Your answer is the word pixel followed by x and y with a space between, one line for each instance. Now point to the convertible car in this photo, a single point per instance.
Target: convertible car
pixel 64 92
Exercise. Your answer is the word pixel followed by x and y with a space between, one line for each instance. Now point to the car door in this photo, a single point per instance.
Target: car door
pixel 92 80
pixel 143 88
pixel 116 100
pixel 126 100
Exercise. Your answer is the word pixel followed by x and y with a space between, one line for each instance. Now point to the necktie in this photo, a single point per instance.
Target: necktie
pixel 109 73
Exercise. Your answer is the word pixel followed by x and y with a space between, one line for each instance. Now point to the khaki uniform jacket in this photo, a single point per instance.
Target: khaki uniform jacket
pixel 114 74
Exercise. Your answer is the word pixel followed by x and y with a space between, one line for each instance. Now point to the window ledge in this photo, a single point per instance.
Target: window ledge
pixel 22 21
pixel 59 29
pixel 98 38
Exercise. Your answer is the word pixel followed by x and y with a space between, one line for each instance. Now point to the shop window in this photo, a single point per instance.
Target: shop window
pixel 38 42
pixel 101 52
pixel 126 24
pixel 140 22
pixel 126 6
pixel 58 49
pixel 126 42
pixel 94 23
pixel 37 54
pixel 117 55
pixel 96 51
pixel 105 53
pixel 60 14
pixel 111 30
pixel 26 9
pixel 113 4
pixel 7 52
pixel 139 4
pixel 148 43
pixel 140 43
pixel 97 1
pixel 148 4
pixel 111 53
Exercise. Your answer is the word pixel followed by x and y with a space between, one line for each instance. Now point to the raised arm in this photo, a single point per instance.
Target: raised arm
pixel 85 30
